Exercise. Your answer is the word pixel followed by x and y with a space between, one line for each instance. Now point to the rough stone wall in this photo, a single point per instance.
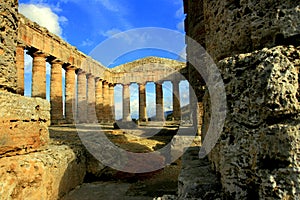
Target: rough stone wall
pixel 8 41
pixel 238 26
pixel 257 155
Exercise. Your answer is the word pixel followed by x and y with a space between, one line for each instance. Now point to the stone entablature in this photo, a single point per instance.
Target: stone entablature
pixel 149 69
pixel 34 37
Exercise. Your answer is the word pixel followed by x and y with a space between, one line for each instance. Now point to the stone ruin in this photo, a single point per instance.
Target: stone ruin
pixel 256 47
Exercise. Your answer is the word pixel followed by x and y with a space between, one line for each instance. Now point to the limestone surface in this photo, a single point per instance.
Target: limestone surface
pixel 24 123
pixel 8 35
pixel 46 174
pixel 257 155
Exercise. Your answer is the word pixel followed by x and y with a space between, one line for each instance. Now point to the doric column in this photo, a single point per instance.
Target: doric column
pixel 56 92
pixel 39 75
pixel 70 104
pixel 20 68
pixel 159 102
pixel 126 103
pixel 176 101
pixel 142 103
pixel 91 99
pixel 106 102
pixel 82 99
pixel 112 102
pixel 99 99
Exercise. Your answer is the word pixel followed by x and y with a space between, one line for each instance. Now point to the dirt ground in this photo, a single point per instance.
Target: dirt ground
pixel 121 185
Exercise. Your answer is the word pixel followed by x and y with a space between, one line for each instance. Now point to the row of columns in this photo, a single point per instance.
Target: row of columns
pixel 159 102
pixel 95 99
pixel 90 104
pixel 95 96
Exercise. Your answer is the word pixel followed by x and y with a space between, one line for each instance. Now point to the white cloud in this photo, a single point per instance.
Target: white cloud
pixel 27 63
pixel 44 16
pixel 87 43
pixel 179 13
pixel 110 32
pixel 107 4
pixel 180 26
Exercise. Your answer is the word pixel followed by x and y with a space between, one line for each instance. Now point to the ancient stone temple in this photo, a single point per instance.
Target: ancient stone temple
pixel 255 45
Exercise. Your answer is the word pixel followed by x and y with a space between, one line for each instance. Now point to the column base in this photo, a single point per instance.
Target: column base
pixel 58 121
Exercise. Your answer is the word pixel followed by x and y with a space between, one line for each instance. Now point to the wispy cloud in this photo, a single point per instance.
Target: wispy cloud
pixel 110 5
pixel 180 26
pixel 179 13
pixel 87 43
pixel 110 32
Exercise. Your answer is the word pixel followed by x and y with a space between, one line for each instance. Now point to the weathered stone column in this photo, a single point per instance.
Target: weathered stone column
pixel 176 101
pixel 91 99
pixel 142 103
pixel 70 103
pixel 159 102
pixel 56 92
pixel 106 102
pixel 126 103
pixel 20 68
pixel 81 96
pixel 99 99
pixel 39 75
pixel 112 102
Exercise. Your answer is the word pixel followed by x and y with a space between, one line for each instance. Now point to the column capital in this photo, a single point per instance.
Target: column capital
pixel 80 71
pixel 69 67
pixel 159 82
pixel 175 81
pixel 21 45
pixel 98 79
pixel 36 53
pixel 126 85
pixel 143 83
pixel 90 75
pixel 56 61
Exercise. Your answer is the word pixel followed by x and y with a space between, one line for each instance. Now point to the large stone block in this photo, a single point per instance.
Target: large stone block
pixel 47 175
pixel 24 123
pixel 257 155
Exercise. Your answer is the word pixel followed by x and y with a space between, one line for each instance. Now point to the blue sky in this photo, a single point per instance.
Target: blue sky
pixel 87 23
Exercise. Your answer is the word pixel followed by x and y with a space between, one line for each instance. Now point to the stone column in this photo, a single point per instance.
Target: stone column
pixel 56 92
pixel 81 96
pixel 39 75
pixel 112 102
pixel 106 102
pixel 126 103
pixel 91 99
pixel 159 102
pixel 70 103
pixel 142 103
pixel 20 68
pixel 99 99
pixel 176 101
